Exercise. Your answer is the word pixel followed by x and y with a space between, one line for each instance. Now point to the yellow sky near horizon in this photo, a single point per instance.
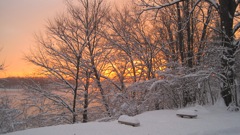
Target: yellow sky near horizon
pixel 19 20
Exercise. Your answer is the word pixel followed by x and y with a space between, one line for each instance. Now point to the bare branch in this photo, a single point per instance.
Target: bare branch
pixel 153 7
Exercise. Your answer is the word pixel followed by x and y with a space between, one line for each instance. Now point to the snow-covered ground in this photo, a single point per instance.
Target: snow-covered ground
pixel 214 120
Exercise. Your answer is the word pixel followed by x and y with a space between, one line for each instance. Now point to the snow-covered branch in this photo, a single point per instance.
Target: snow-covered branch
pixel 153 7
pixel 167 4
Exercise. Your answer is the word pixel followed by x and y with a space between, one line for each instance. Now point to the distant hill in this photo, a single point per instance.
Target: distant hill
pixel 19 82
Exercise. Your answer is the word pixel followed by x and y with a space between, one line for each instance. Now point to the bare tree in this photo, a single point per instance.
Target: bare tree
pixel 59 54
pixel 138 39
pixel 69 53
pixel 91 14
pixel 227 12
pixel 119 35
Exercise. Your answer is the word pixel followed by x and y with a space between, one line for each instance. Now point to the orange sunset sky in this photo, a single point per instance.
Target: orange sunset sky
pixel 19 20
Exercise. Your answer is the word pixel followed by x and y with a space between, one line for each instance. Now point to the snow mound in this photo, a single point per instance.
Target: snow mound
pixel 220 103
pixel 199 109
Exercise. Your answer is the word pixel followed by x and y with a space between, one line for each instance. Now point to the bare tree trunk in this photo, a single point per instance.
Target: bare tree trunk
pixel 180 34
pixel 203 36
pixel 189 34
pixel 86 103
pixel 171 41
pixel 210 92
pixel 76 89
pixel 134 70
pixel 227 11
pixel 97 76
